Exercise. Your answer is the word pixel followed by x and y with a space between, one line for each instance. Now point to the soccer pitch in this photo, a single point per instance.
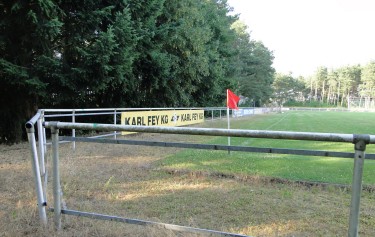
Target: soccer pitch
pixel 291 167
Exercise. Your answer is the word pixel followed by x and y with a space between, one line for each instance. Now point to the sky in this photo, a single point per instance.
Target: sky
pixel 306 34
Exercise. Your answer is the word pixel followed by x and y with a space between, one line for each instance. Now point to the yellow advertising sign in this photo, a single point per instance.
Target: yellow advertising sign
pixel 171 118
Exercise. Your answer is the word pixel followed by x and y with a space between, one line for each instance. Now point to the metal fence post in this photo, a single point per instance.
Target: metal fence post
pixel 36 172
pixel 44 139
pixel 41 142
pixel 115 123
pixel 56 178
pixel 359 157
pixel 73 130
pixel 41 146
pixel 44 133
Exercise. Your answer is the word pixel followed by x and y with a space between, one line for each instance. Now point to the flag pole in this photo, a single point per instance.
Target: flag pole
pixel 232 100
pixel 228 120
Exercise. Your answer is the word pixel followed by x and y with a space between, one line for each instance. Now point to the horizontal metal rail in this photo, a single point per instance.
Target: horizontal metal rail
pixel 148 223
pixel 61 142
pixel 71 139
pixel 318 109
pixel 218 147
pixel 105 135
pixel 127 109
pixel 115 111
pixel 79 114
pixel 331 137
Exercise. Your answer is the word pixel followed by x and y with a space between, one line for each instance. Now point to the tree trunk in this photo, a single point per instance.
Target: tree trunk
pixel 323 92
pixel 329 95
pixel 311 89
pixel 17 108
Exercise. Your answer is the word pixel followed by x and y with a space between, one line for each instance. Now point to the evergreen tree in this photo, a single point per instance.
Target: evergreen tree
pixel 254 70
pixel 220 53
pixel 96 52
pixel 367 87
pixel 29 30
pixel 129 53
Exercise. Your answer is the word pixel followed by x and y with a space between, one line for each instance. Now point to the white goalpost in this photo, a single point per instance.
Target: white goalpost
pixel 361 103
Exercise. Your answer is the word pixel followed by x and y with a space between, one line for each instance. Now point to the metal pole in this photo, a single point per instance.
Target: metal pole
pixel 44 138
pixel 198 231
pixel 228 128
pixel 44 133
pixel 37 179
pixel 359 157
pixel 115 123
pixel 41 155
pixel 56 178
pixel 44 146
pixel 73 130
pixel 306 136
pixel 40 146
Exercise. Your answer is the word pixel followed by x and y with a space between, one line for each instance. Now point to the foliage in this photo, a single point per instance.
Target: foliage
pixel 254 66
pixel 367 88
pixel 96 52
pixel 129 53
pixel 28 32
pixel 308 104
pixel 287 88
pixel 333 87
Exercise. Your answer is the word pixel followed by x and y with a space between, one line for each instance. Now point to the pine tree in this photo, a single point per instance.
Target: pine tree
pixel 28 32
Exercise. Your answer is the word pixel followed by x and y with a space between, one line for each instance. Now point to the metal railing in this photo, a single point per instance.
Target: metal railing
pixel 335 109
pixel 39 149
pixel 360 142
pixel 43 115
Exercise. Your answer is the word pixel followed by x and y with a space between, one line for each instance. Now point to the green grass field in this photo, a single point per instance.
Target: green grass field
pixel 292 167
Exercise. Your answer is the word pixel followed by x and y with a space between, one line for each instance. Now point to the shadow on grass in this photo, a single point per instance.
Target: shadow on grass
pixel 293 167
pixel 257 209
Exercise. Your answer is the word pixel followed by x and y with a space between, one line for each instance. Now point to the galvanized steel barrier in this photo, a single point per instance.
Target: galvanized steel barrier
pixel 360 142
pixel 39 150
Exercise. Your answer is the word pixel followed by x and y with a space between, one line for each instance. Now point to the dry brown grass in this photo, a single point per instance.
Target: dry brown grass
pixel 127 181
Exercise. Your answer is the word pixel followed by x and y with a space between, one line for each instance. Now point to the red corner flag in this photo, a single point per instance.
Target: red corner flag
pixel 232 100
